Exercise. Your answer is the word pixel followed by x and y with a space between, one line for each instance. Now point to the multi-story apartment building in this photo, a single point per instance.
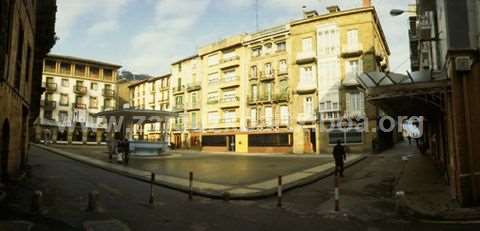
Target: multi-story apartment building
pixel 151 94
pixel 75 90
pixel 27 33
pixel 275 90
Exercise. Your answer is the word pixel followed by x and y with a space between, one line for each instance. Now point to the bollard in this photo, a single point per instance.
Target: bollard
pixel 37 200
pixel 279 192
pixel 190 186
pixel 92 201
pixel 151 201
pixel 399 195
pixel 337 195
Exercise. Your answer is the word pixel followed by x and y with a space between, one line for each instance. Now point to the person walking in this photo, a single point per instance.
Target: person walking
pixel 340 156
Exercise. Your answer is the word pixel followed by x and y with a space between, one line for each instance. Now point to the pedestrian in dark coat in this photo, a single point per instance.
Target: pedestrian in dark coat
pixel 340 156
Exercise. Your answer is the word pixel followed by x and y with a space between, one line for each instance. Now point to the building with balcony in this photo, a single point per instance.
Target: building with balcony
pixel 27 33
pixel 269 91
pixel 152 94
pixel 75 90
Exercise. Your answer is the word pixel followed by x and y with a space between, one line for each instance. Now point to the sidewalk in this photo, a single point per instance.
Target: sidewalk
pixel 213 190
pixel 427 195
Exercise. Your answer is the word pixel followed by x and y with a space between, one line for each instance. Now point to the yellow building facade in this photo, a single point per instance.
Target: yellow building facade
pixel 280 90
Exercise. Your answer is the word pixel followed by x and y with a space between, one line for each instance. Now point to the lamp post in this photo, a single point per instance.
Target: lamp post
pixel 397 12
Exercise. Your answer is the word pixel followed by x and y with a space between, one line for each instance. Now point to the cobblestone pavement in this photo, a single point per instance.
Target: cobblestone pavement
pixel 366 201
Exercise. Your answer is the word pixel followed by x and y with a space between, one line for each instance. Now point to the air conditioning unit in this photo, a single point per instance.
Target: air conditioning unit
pixel 463 63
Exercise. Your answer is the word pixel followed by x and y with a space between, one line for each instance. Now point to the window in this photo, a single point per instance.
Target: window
pixel 213 78
pixel 229 116
pixel 94 86
pixel 253 71
pixel 229 55
pixel 49 97
pixel 352 40
pixel 229 75
pixel 65 68
pixel 214 141
pixel 108 103
pixel 281 46
pixel 353 68
pixel 261 140
pixel 63 99
pixel 268 48
pixel 254 92
pixel 213 118
pixel 268 90
pixel 50 66
pixel 107 74
pixel 19 57
pixel 268 117
pixel 93 103
pixel 268 68
pixel 94 72
pixel 307 44
pixel 212 97
pixel 355 102
pixel 213 60
pixel 328 41
pixel 230 96
pixel 283 87
pixel 308 106
pixel 282 66
pixel 346 136
pixel 79 70
pixel 284 115
pixel 306 75
pixel 179 100
pixel 194 120
pixel 253 117
pixel 256 51
pixel 48 115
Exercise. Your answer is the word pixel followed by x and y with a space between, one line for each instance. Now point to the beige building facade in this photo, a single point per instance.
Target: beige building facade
pixel 75 90
pixel 286 89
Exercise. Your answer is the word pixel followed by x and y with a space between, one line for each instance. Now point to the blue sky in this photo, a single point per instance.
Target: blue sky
pixel 145 36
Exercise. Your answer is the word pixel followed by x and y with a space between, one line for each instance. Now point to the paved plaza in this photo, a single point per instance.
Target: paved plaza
pixel 240 176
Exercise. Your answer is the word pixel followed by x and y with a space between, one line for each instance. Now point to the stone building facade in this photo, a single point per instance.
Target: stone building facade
pixel 26 36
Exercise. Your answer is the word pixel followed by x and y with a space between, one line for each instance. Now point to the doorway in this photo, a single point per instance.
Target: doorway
pixel 4 150
pixel 231 143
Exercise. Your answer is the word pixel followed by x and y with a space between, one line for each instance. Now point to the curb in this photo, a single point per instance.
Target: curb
pixel 213 194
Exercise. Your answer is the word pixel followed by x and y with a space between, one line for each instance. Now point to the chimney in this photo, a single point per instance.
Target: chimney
pixel 333 9
pixel 367 3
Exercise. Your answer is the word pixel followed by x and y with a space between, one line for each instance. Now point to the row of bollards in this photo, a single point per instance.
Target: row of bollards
pixel 93 197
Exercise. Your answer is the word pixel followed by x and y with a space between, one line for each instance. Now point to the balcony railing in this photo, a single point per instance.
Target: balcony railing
pixel 253 75
pixel 230 81
pixel 230 102
pixel 178 127
pixel 282 96
pixel 80 90
pixel 267 75
pixel 178 90
pixel 49 105
pixel 194 86
pixel 212 101
pixel 229 59
pixel 79 106
pixel 306 118
pixel 230 122
pixel 283 71
pixel 273 122
pixel 108 93
pixel 306 57
pixel 306 87
pixel 179 107
pixel 108 108
pixel 349 51
pixel 193 106
pixel 51 87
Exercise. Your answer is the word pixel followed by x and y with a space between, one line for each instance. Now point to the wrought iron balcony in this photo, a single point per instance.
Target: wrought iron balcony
pixel 179 107
pixel 80 90
pixel 50 87
pixel 267 75
pixel 253 75
pixel 230 82
pixel 178 90
pixel 49 105
pixel 230 102
pixel 282 96
pixel 108 108
pixel 195 86
pixel 108 93
pixel 349 51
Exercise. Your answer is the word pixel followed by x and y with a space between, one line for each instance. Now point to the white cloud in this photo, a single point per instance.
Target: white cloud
pixel 157 46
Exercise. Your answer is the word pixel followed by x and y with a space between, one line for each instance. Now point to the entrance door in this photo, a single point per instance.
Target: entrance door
pixel 313 139
pixel 4 149
pixel 178 140
pixel 231 143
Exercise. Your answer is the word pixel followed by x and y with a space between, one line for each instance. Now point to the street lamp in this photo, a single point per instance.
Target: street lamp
pixel 397 12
